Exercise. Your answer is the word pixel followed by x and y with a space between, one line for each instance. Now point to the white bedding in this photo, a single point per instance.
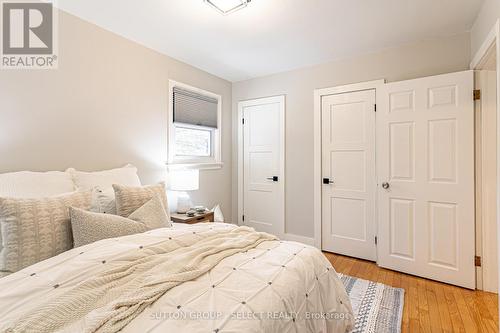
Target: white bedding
pixel 276 287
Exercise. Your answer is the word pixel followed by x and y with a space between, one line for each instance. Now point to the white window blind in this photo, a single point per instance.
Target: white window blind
pixel 194 109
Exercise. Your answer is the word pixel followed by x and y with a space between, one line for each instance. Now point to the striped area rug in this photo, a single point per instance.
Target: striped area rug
pixel 378 308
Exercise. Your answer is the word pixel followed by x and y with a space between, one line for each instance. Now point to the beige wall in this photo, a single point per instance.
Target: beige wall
pixel 488 15
pixel 105 106
pixel 107 103
pixel 409 61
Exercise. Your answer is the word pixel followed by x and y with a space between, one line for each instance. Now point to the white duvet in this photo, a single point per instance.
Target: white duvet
pixel 281 287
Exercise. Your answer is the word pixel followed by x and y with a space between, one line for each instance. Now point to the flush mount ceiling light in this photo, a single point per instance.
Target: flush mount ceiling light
pixel 227 6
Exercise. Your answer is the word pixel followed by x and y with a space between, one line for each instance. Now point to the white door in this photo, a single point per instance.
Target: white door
pixel 262 200
pixel 349 176
pixel 425 154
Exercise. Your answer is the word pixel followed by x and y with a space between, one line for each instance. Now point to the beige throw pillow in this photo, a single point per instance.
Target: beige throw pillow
pixel 89 227
pixel 152 214
pixel 129 199
pixel 37 229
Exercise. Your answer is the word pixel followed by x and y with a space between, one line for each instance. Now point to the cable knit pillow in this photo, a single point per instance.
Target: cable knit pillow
pixel 89 227
pixel 129 199
pixel 28 184
pixel 37 229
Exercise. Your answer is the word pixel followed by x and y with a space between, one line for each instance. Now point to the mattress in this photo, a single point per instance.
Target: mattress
pixel 279 286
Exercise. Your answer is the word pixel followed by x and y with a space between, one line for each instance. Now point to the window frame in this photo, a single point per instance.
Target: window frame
pixel 195 162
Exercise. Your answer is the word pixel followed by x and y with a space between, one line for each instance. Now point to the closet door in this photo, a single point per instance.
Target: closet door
pixel 425 163
pixel 349 177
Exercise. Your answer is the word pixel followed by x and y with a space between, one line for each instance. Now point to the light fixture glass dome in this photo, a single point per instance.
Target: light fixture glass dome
pixel 227 6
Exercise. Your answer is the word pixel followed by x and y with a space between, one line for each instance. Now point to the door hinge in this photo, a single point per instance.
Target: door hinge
pixel 243 121
pixel 375 107
pixel 376 240
pixel 477 94
pixel 477 261
pixel 243 218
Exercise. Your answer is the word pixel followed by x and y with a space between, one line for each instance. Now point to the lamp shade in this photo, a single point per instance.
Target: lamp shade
pixel 184 180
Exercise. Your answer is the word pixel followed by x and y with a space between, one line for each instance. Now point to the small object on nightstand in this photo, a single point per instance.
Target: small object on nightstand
pixel 198 218
pixel 200 209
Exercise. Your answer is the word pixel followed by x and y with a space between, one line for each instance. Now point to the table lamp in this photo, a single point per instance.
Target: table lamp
pixel 182 181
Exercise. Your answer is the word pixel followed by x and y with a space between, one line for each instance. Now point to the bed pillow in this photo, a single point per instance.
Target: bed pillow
pixel 37 229
pixel 89 227
pixel 152 214
pixel 28 184
pixel 105 179
pixel 104 201
pixel 129 199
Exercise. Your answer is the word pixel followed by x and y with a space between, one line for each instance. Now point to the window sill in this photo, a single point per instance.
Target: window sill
pixel 195 166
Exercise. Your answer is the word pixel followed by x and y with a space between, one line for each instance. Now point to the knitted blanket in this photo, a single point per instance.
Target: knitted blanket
pixel 112 299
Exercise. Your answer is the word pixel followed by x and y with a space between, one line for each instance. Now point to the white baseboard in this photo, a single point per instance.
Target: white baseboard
pixel 300 239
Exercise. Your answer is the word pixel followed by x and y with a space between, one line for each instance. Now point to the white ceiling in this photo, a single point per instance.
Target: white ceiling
pixel 271 36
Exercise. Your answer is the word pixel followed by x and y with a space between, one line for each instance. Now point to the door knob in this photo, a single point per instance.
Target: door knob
pixel 386 185
pixel 273 178
pixel 327 181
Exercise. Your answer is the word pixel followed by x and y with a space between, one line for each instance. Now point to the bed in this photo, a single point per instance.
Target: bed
pixel 278 286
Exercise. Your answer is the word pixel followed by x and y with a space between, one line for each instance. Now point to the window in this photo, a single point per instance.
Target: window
pixel 193 141
pixel 194 127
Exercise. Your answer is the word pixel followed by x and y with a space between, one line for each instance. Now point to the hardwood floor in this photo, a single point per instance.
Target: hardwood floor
pixel 429 306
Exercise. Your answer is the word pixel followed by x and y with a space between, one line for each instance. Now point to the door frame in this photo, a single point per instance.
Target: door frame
pixel 254 102
pixel 492 43
pixel 318 94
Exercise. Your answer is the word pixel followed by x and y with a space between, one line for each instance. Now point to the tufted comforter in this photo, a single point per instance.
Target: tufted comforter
pixel 275 287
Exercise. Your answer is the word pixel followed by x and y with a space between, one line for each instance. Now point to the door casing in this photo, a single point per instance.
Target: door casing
pixel 318 93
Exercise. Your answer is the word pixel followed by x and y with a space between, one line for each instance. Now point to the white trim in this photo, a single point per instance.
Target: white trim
pixel 199 166
pixel 300 239
pixel 213 162
pixel 493 38
pixel 368 85
pixel 265 100
pixel 483 51
pixel 485 245
pixel 318 94
pixel 239 219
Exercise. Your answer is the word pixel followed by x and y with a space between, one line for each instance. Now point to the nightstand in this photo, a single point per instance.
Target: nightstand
pixel 198 218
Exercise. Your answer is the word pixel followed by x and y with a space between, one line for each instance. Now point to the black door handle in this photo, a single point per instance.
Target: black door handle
pixel 273 178
pixel 327 181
